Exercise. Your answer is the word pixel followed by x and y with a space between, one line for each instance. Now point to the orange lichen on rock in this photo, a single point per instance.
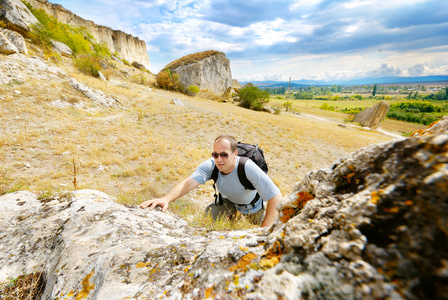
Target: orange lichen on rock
pixel 375 197
pixel 243 262
pixel 209 292
pixel 302 199
pixel 287 214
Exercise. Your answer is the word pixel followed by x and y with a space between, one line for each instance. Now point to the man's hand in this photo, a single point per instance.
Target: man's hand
pixel 155 202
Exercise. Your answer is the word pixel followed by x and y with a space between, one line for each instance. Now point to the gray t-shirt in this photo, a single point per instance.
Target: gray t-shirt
pixel 231 188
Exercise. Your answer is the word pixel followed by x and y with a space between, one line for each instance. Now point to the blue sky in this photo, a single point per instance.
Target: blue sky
pixel 275 40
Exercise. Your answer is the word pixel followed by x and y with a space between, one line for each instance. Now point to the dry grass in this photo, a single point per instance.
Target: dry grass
pixel 191 58
pixel 25 287
pixel 142 151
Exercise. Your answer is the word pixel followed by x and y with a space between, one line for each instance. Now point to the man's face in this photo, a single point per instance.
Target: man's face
pixel 224 164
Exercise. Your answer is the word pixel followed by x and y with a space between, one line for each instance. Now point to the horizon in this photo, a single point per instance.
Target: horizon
pixel 323 40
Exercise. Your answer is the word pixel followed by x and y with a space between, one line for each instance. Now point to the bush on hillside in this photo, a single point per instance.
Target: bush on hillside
pixel 253 98
pixel 169 80
pixel 193 90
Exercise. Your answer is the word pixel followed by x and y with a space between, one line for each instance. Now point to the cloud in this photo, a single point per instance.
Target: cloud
pixel 411 34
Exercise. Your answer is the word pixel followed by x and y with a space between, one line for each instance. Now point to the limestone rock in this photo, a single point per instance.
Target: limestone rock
pixel 62 48
pixel 374 225
pixel 236 85
pixel 440 126
pixel 17 16
pixel 16 39
pixel 6 47
pixel 208 70
pixel 96 96
pixel 177 102
pixel 372 116
pixel 127 46
pixel 20 67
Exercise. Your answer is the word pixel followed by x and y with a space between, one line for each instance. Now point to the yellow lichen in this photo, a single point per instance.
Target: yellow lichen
pixel 375 197
pixel 142 265
pixel 86 287
pixel 243 262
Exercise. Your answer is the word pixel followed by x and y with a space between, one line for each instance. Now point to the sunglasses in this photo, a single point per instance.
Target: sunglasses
pixel 224 155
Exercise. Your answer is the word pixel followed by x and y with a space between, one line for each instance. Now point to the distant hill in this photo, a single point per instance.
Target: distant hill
pixel 360 81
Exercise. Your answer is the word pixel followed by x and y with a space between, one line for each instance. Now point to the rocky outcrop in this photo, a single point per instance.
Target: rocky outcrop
pixel 373 116
pixel 208 70
pixel 440 126
pixel 11 42
pixel 20 68
pixel 373 225
pixel 17 16
pixel 128 47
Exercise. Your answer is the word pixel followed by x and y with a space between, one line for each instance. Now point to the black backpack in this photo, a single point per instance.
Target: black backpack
pixel 245 152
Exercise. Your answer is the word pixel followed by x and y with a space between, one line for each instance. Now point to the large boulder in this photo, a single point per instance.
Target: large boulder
pixel 208 70
pixel 373 116
pixel 374 225
pixel 17 16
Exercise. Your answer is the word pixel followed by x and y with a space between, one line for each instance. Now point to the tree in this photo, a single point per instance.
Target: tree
pixel 374 90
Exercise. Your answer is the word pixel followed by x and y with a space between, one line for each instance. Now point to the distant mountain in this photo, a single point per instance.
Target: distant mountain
pixel 359 81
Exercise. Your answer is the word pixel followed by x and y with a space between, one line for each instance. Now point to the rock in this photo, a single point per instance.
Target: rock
pixel 16 39
pixel 96 96
pixel 177 102
pixel 138 65
pixel 208 70
pixel 440 126
pixel 62 48
pixel 101 76
pixel 127 46
pixel 6 47
pixel 17 16
pixel 372 116
pixel 236 85
pixel 372 225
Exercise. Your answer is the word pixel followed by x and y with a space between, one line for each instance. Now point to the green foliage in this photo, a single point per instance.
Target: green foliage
pixel 416 112
pixel 374 90
pixel 169 80
pixel 193 90
pixel 325 106
pixel 307 96
pixel 359 97
pixel 253 98
pixel 287 105
pixel 442 95
pixel 88 64
pixel 88 52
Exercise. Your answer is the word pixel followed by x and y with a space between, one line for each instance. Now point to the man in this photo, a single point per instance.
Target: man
pixel 235 196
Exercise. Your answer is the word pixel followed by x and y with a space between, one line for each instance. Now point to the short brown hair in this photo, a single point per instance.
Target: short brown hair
pixel 231 139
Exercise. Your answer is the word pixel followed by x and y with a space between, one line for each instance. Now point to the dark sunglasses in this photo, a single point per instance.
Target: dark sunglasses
pixel 222 154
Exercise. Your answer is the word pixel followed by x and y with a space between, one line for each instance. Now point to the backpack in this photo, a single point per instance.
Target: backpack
pixel 245 152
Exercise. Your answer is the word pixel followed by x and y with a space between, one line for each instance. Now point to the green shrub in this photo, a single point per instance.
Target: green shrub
pixel 88 64
pixel 193 90
pixel 253 98
pixel 169 80
pixel 325 106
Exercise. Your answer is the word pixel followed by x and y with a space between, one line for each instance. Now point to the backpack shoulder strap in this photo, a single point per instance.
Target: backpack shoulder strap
pixel 218 197
pixel 242 174
pixel 215 174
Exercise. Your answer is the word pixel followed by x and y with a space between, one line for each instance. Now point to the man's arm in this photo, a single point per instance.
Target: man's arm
pixel 181 189
pixel 271 210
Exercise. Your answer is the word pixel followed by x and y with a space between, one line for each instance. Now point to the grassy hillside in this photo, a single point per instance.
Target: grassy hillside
pixel 143 150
